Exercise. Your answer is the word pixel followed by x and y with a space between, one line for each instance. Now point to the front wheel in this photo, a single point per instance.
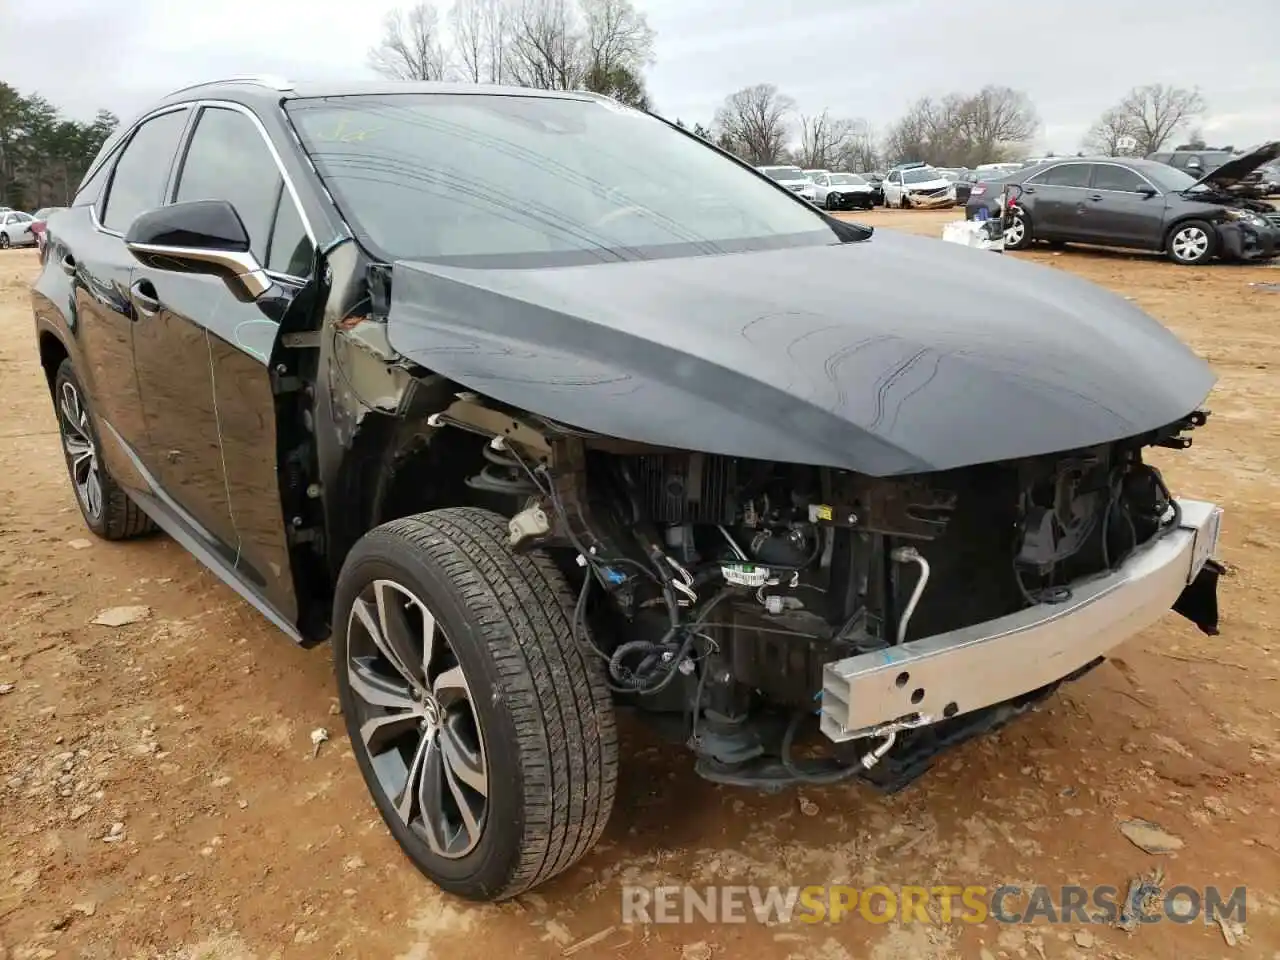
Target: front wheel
pixel 4 240
pixel 832 203
pixel 1191 243
pixel 484 732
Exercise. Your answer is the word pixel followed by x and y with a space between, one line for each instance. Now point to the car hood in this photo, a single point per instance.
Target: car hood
pixel 1237 168
pixel 928 185
pixel 893 355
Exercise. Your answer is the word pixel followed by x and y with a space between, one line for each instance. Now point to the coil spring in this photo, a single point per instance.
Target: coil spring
pixel 502 474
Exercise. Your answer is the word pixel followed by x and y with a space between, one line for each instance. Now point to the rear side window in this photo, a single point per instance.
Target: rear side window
pixel 137 185
pixel 1064 175
pixel 229 160
pixel 91 189
pixel 1108 177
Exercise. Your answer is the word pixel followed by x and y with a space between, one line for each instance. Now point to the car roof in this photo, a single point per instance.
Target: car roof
pixel 264 91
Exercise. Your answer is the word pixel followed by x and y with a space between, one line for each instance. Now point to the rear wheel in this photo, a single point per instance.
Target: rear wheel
pixel 1018 234
pixel 1191 243
pixel 4 240
pixel 484 732
pixel 106 508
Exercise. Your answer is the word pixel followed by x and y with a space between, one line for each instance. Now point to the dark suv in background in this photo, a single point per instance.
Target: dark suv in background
pixel 1145 205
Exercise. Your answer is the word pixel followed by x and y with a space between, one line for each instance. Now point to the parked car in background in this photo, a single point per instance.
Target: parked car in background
pixel 1199 163
pixel 917 185
pixel 1146 205
pixel 1269 180
pixel 876 179
pixel 963 185
pixel 15 230
pixel 685 444
pixel 842 191
pixel 793 179
pixel 38 224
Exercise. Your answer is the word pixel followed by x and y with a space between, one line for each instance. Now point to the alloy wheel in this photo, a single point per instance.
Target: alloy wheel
pixel 416 718
pixel 1190 243
pixel 82 452
pixel 4 240
pixel 1017 231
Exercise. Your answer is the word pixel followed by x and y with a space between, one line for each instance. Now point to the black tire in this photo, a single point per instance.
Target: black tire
pixel 538 700
pixel 4 240
pixel 832 202
pixel 111 514
pixel 903 202
pixel 1183 250
pixel 1021 239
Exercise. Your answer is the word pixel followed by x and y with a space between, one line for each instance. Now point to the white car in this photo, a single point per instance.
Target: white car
pixel 841 191
pixel 15 230
pixel 793 179
pixel 917 185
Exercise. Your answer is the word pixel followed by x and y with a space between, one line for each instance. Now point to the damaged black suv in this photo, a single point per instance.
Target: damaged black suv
pixel 537 406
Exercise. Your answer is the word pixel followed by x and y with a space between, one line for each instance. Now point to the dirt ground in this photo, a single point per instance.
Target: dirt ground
pixel 191 730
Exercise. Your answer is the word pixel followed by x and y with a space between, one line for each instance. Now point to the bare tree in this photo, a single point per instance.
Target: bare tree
pixel 411 47
pixel 822 139
pixel 545 45
pixel 618 46
pixel 617 35
pixel 997 120
pixel 996 123
pixel 1112 135
pixel 858 150
pixel 752 123
pixel 1157 111
pixel 480 31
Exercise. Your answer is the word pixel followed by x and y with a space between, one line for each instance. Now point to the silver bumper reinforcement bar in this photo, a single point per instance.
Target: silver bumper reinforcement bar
pixel 942 676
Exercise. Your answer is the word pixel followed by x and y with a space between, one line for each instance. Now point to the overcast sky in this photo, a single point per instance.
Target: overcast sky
pixel 860 58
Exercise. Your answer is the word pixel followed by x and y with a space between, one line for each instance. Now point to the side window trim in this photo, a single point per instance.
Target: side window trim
pixel 194 108
pixel 1137 173
pixel 95 209
pixel 289 188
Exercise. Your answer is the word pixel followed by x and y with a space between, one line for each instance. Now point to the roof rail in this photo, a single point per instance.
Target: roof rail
pixel 262 80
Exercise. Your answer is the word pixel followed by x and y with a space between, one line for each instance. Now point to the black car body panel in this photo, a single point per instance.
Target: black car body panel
pixel 1096 208
pixel 833 356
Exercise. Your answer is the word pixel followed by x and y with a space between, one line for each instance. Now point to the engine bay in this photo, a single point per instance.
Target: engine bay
pixel 714 589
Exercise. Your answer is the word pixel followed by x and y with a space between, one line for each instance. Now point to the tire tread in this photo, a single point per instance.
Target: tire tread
pixel 556 695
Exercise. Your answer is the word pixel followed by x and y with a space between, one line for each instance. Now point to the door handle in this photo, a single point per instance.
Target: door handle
pixel 68 264
pixel 1096 197
pixel 142 293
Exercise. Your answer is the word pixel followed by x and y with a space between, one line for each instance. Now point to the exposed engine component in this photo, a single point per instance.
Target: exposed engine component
pixel 718 588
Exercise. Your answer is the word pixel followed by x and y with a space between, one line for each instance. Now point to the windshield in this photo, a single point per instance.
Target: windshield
pixel 1169 179
pixel 512 181
pixel 920 175
pixel 846 178
pixel 784 173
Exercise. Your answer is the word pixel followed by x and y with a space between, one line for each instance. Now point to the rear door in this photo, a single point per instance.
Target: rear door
pixel 93 252
pixel 1119 212
pixel 203 357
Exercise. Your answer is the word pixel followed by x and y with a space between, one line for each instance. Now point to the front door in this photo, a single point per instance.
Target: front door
pixel 1119 212
pixel 203 357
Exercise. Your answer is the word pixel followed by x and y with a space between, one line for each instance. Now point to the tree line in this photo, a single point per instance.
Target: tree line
pixel 762 125
pixel 43 154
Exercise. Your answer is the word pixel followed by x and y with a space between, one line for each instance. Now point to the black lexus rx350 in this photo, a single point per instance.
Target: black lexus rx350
pixel 535 404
